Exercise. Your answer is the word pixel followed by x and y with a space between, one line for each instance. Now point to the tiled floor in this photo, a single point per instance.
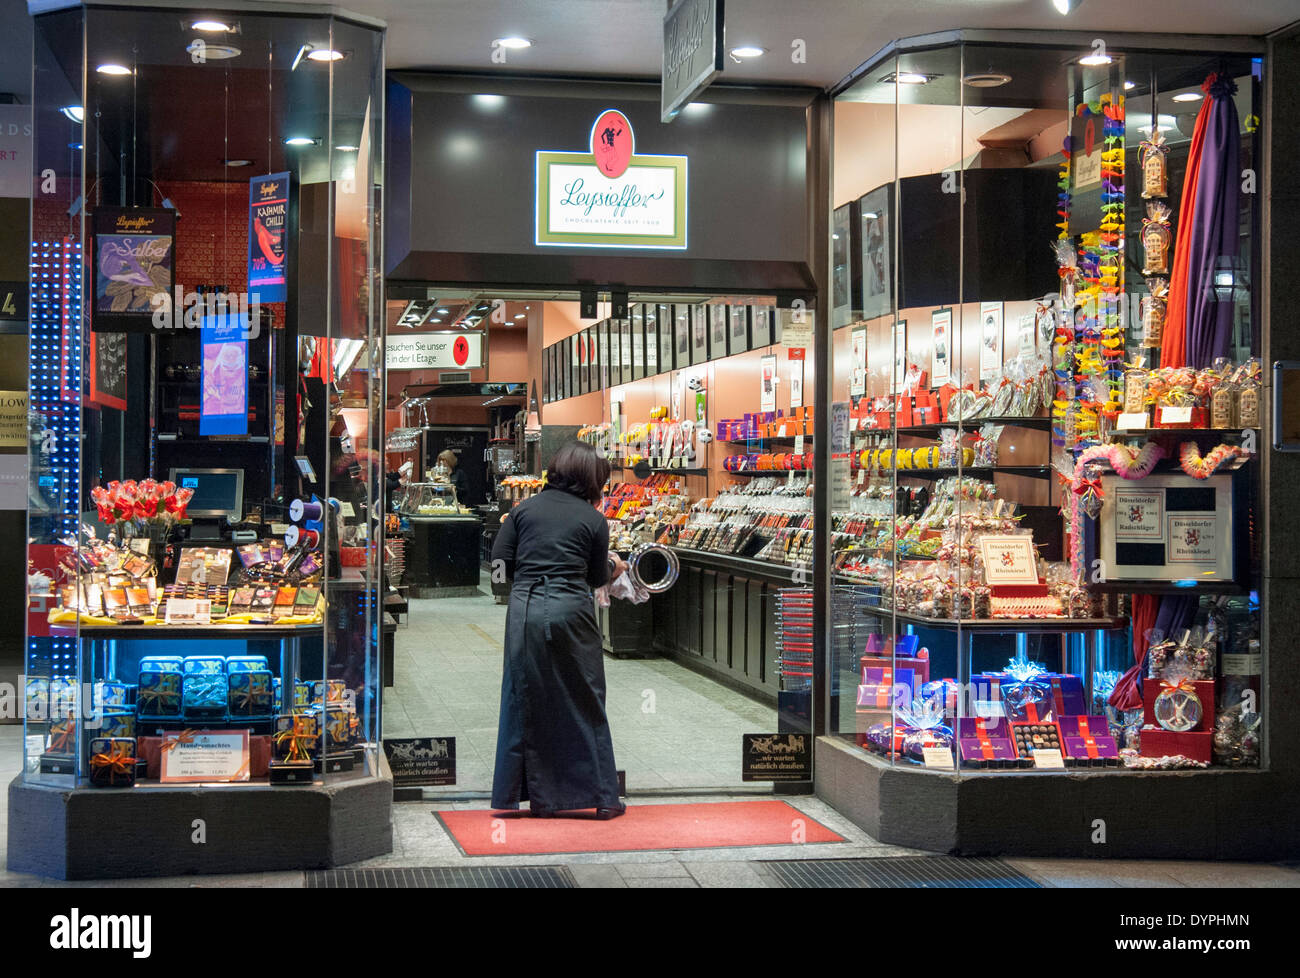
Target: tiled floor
pixel 673 729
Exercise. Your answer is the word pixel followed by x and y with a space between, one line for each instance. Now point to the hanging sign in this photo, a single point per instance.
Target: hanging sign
pixel 268 239
pixel 223 403
pixel 694 47
pixel 134 266
pixel 434 351
pixel 611 197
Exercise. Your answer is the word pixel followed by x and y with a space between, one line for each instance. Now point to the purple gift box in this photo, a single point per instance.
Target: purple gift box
pixel 1078 733
pixel 997 734
pixel 876 691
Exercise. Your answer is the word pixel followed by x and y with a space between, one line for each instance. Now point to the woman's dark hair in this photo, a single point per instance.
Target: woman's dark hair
pixel 579 469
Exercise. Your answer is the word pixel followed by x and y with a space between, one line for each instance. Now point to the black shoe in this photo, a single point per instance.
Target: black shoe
pixel 605 814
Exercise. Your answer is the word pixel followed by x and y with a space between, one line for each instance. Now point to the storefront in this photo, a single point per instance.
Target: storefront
pixel 1050 501
pixel 202 667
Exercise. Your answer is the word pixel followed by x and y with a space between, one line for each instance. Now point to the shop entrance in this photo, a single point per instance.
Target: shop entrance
pixel 502 379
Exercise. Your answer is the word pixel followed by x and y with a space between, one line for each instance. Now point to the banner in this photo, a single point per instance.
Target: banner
pixel 223 405
pixel 434 351
pixel 134 264
pixel 268 239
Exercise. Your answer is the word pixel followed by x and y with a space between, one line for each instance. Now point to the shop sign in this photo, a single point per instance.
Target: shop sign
pixel 421 760
pixel 15 151
pixel 776 757
pixel 434 351
pixel 694 47
pixel 268 239
pixel 611 197
pixel 13 419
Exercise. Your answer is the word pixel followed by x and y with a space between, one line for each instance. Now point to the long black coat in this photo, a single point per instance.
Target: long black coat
pixel 553 742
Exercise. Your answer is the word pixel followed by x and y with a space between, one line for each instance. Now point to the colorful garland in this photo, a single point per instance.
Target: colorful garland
pixel 1191 461
pixel 1126 462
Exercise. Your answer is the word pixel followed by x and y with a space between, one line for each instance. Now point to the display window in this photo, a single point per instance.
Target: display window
pixel 205 520
pixel 1044 535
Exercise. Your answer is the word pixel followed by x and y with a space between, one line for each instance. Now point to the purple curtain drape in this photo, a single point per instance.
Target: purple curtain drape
pixel 1215 229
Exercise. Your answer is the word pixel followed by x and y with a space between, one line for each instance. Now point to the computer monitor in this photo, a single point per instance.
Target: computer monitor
pixel 217 492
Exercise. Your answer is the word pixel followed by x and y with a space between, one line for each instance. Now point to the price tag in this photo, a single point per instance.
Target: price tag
pixel 798 444
pixel 1175 415
pixel 939 758
pixel 1135 420
pixel 189 611
pixel 345 509
pixel 1048 758
pixel 782 432
pixel 789 479
pixel 862 476
pixel 279 529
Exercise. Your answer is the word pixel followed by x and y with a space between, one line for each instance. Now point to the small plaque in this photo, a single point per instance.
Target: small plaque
pixel 938 758
pixel 776 757
pixel 1048 759
pixel 419 761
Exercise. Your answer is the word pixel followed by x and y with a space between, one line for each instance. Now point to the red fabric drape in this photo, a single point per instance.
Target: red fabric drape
pixel 1173 348
pixel 1127 694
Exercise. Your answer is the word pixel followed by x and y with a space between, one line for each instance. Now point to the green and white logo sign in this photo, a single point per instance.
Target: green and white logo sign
pixel 611 197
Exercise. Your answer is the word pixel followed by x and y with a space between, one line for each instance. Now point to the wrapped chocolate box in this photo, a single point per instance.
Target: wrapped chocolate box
pixel 985 742
pixel 251 694
pixel 1086 740
pixel 204 692
pixel 158 696
pixel 112 762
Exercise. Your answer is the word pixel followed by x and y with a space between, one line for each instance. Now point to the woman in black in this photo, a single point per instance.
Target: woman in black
pixel 553 743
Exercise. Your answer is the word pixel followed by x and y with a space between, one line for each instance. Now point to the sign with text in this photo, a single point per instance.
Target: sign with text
pixel 13 419
pixel 210 755
pixel 776 757
pixel 15 151
pixel 134 263
pixel 268 237
pixel 1140 515
pixel 421 760
pixel 434 351
pixel 611 197
pixel 694 47
pixel 1009 559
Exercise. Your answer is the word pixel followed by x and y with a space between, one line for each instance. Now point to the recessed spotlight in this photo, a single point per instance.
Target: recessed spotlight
pixel 1063 7
pixel 748 51
pixel 485 100
pixel 209 51
pixel 1188 97
pixel 347 149
pixel 302 141
pixel 237 162
pixel 512 43
pixel 442 312
pixel 986 79
pixel 907 78
pixel 870 216
pixel 435 320
pixel 520 316
pixel 696 108
pixel 1095 59
pixel 835 237
pixel 211 27
pixel 74 112
pixel 1129 86
pixel 113 69
pixel 325 54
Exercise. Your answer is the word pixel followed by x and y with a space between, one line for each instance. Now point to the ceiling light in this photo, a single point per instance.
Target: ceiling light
pixel 1188 97
pixel 1095 59
pixel 748 51
pixel 325 54
pixel 113 69
pixel 211 27
pixel 237 162
pixel 696 108
pixel 435 320
pixel 74 112
pixel 209 51
pixel 1064 7
pixel 485 100
pixel 986 79
pixel 347 149
pixel 520 316
pixel 1129 86
pixel 302 141
pixel 907 78
pixel 870 216
pixel 512 43
pixel 443 311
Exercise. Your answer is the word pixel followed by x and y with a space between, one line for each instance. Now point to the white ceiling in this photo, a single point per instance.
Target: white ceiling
pixel 622 37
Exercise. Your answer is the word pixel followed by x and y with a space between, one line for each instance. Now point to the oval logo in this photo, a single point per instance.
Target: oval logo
pixel 611 143
pixel 460 351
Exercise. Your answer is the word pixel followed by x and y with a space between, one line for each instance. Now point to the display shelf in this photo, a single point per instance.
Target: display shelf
pixel 1040 423
pixel 661 471
pixel 185 632
pixel 769 472
pixel 1182 432
pixel 1030 471
pixel 1038 626
pixel 741 565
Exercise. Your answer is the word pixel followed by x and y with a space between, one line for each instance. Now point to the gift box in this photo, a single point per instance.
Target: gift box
pixel 905 655
pixel 1031 736
pixel 338 728
pixel 119 724
pixel 36 696
pixel 945 690
pixel 1151 690
pixel 328 691
pixel 251 694
pixel 985 743
pixel 110 694
pixel 159 695
pixel 297 738
pixel 112 762
pixel 876 736
pixel 204 692
pixel 1068 697
pixel 1087 739
pixel 883 687
pixel 259 755
pixel 1196 745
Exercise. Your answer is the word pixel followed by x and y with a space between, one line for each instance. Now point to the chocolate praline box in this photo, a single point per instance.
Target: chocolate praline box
pixel 1075 741
pixel 998 734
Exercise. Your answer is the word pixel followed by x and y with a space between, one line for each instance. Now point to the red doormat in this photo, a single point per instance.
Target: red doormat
pixel 703 825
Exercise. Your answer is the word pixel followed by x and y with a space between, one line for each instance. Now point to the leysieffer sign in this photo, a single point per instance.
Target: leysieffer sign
pixel 611 197
pixel 693 52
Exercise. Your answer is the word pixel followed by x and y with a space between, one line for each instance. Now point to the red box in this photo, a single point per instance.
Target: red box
pixel 1200 418
pixel 1151 688
pixel 1157 742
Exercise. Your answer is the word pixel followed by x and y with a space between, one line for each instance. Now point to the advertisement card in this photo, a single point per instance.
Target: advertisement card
pixel 941 347
pixel 990 340
pixel 1140 515
pixel 1009 559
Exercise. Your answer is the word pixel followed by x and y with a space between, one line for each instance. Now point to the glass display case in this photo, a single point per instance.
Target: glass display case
pixel 204 539
pixel 1044 537
pixel 428 499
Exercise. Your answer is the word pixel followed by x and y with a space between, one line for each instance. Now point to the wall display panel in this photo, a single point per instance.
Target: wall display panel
pixel 717 314
pixel 653 350
pixel 681 336
pixel 637 326
pixel 699 334
pixel 738 330
pixel 762 326
pixel 667 341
